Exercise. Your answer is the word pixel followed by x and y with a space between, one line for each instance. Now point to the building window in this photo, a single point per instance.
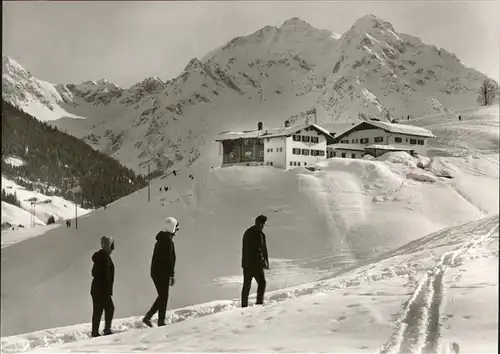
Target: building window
pixel 246 141
pixel 296 138
pixel 296 151
pixel 345 141
pixel 398 139
pixel 379 139
pixel 295 163
pixel 353 156
pixel 406 139
pixel 291 163
pixel 271 163
pixel 305 163
pixel 420 142
pixel 314 139
pixel 305 152
pixel 298 163
pixel 413 141
pixel 364 140
pixel 262 153
pixel 305 138
pixel 334 154
pixel 343 154
pixel 321 153
pixel 281 149
pixel 353 141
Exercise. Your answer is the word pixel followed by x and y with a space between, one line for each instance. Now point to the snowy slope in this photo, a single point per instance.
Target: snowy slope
pixel 356 208
pixel 432 294
pixel 477 132
pixel 17 216
pixel 58 207
pixel 36 97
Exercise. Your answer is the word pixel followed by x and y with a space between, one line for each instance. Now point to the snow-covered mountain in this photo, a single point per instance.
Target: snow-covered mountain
pixel 268 76
pixel 36 97
pixel 380 72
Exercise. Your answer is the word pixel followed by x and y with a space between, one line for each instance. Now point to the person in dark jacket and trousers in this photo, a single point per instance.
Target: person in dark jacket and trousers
pixel 162 270
pixel 103 273
pixel 254 260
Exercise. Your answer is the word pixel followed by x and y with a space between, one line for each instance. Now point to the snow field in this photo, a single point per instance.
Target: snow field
pixel 402 296
pixel 356 208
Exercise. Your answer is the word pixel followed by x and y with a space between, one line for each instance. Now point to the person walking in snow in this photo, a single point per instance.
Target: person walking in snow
pixel 163 270
pixel 254 260
pixel 103 273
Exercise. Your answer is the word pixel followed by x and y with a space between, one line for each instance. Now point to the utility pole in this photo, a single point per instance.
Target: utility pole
pixel 32 214
pixel 149 183
pixel 76 215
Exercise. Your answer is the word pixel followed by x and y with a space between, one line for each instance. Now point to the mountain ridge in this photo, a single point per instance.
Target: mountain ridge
pixel 275 72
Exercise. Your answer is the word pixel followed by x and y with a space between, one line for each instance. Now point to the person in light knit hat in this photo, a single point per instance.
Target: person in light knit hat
pixel 162 270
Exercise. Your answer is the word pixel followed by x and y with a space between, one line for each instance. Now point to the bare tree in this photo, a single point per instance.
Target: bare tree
pixel 487 92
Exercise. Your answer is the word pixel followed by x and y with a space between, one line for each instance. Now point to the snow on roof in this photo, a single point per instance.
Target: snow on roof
pixel 355 147
pixel 390 147
pixel 393 128
pixel 403 129
pixel 338 127
pixel 269 133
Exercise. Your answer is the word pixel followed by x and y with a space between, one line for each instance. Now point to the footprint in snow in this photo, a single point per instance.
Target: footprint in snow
pixel 353 305
pixel 467 316
pixel 341 318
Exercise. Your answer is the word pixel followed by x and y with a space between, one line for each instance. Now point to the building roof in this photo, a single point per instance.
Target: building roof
pixel 354 147
pixel 390 147
pixel 403 129
pixel 360 147
pixel 271 133
pixel 338 127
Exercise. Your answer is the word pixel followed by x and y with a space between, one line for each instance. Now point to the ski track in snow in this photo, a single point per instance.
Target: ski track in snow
pixel 417 329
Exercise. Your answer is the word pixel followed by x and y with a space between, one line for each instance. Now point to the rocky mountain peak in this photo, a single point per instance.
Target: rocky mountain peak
pixel 371 22
pixel 193 64
pixel 295 24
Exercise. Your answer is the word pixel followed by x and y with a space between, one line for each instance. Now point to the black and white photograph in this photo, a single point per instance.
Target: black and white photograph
pixel 250 176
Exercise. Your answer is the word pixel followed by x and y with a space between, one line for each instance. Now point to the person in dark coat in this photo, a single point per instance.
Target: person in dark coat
pixel 163 270
pixel 103 273
pixel 254 260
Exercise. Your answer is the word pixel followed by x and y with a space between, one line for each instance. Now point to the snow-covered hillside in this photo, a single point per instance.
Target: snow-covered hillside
pixel 36 97
pixel 355 208
pixel 435 294
pixel 476 132
pixel 322 225
pixel 268 76
pixel 45 206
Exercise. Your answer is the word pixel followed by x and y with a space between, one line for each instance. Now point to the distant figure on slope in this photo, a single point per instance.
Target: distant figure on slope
pixel 101 290
pixel 254 260
pixel 162 270
pixel 166 189
pixel 459 117
pixel 175 173
pixel 68 223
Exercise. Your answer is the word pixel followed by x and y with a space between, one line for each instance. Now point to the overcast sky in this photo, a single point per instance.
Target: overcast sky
pixel 70 42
